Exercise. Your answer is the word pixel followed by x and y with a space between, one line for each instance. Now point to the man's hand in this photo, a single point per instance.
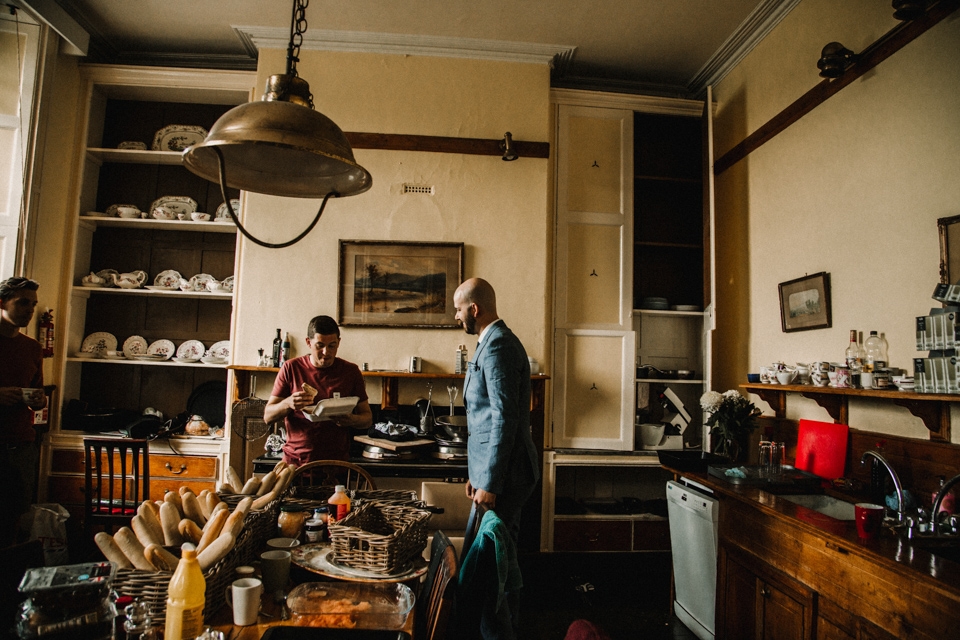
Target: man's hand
pixel 9 396
pixel 299 400
pixel 37 400
pixel 485 498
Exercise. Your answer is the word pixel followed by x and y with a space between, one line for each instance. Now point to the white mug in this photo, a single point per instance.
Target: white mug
pixel 275 569
pixel 243 596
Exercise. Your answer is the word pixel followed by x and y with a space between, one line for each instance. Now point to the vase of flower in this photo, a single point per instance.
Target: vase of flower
pixel 731 418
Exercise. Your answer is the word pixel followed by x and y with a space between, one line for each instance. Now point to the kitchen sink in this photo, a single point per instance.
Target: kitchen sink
pixel 827 505
pixel 945 548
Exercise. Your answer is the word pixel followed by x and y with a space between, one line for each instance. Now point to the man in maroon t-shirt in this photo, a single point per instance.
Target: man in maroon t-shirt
pixel 329 375
pixel 21 368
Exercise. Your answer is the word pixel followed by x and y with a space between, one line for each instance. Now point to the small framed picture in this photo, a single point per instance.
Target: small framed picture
pixel 399 284
pixel 805 303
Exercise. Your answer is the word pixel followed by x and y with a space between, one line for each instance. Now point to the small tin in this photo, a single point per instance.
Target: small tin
pixel 415 364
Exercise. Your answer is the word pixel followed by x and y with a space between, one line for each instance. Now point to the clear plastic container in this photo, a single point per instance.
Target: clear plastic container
pixel 68 602
pixel 359 605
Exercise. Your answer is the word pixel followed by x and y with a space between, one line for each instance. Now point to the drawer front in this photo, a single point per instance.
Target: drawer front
pixel 592 535
pixel 183 467
pixel 651 535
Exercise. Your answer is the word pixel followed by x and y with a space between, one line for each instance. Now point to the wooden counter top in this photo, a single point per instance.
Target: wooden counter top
pixel 889 582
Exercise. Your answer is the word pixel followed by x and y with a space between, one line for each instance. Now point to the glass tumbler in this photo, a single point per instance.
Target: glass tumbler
pixel 771 459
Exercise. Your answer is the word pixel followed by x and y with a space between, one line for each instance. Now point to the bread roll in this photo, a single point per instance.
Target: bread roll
pixel 267 482
pixel 212 530
pixel 190 531
pixel 191 508
pixel 204 504
pixel 264 500
pixel 217 550
pixel 172 497
pixel 226 487
pixel 251 486
pixel 144 533
pixel 170 521
pixel 159 557
pixel 233 478
pixel 126 539
pixel 111 551
pixel 150 514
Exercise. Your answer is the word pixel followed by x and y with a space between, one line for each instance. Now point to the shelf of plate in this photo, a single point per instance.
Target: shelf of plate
pixel 162 225
pixel 134 156
pixel 666 312
pixel 147 363
pixel 668 381
pixel 86 291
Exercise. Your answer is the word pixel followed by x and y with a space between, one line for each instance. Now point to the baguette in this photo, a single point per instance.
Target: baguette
pixel 226 487
pixel 212 530
pixel 111 551
pixel 159 557
pixel 216 551
pixel 126 539
pixel 250 486
pixel 144 533
pixel 233 524
pixel 191 508
pixel 279 466
pixel 190 531
pixel 172 497
pixel 213 500
pixel 184 489
pixel 150 514
pixel 221 506
pixel 170 521
pixel 264 500
pixel 233 478
pixel 284 478
pixel 204 504
pixel 244 506
pixel 267 482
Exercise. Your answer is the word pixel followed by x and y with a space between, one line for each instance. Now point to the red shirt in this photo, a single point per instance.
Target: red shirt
pixel 308 441
pixel 21 365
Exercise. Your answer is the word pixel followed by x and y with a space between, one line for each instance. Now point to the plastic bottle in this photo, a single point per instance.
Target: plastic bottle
pixel 277 345
pixel 185 599
pixel 873 352
pixel 341 502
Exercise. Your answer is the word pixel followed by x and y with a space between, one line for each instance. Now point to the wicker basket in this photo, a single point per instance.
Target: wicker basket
pixel 310 497
pixel 379 537
pixel 151 586
pixel 262 524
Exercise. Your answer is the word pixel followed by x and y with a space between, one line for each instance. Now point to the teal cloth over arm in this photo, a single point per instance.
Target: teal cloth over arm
pixel 492 536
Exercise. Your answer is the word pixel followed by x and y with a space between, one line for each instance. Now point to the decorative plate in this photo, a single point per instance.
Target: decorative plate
pixel 223 215
pixel 186 360
pixel 107 275
pixel 168 279
pixel 220 350
pixel 133 145
pixel 112 209
pixel 134 346
pixel 191 349
pixel 158 288
pixel 212 360
pixel 99 341
pixel 119 356
pixel 177 204
pixel 163 348
pixel 199 281
pixel 177 137
pixel 150 357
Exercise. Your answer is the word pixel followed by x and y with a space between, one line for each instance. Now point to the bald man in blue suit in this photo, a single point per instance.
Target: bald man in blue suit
pixel 501 459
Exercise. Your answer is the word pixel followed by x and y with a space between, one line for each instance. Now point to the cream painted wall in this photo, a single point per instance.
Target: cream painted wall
pixel 497 209
pixel 854 188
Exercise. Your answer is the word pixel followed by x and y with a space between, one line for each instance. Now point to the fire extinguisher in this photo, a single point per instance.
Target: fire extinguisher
pixel 45 333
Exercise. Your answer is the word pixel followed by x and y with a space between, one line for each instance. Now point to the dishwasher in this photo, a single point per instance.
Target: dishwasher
pixel 693 514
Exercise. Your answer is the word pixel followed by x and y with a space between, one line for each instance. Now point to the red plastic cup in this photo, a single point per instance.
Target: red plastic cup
pixel 869 517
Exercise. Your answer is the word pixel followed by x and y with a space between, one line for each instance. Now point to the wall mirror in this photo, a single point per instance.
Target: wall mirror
pixel 949 231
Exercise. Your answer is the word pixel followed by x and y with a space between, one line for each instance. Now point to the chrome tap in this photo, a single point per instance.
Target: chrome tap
pixel 935 510
pixel 901 511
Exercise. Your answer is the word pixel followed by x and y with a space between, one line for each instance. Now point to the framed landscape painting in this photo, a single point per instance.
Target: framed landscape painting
pixel 805 303
pixel 399 284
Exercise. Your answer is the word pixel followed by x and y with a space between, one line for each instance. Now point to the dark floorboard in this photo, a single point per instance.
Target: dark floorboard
pixel 627 595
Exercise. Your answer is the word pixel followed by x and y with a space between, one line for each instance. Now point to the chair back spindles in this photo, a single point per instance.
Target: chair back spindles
pixel 116 480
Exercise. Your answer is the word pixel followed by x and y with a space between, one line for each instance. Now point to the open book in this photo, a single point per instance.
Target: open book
pixel 326 409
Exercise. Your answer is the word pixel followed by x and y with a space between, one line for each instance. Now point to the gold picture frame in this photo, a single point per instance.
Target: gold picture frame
pixel 399 284
pixel 805 303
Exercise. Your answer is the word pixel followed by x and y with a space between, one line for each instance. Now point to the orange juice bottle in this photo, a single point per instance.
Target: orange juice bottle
pixel 185 599
pixel 340 501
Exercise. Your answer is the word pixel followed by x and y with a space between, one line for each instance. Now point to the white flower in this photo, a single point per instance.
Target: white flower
pixel 732 394
pixel 711 401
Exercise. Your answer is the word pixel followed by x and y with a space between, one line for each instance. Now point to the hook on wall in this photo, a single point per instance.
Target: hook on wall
pixel 594 387
pixel 595 165
pixel 594 274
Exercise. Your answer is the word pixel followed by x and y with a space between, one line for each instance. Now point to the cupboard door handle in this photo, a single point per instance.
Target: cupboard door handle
pixel 169 467
pixel 765 591
pixel 593 537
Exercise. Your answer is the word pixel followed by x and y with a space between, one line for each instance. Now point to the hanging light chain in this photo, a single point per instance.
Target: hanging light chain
pixel 298 26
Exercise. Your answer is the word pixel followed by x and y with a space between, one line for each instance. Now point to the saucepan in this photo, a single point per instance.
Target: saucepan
pixel 455 426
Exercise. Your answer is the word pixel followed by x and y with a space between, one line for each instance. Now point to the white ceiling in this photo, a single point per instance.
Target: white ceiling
pixel 672 47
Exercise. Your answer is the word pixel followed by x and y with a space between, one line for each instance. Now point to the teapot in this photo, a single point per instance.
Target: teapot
pixel 93 279
pixel 197 426
pixel 130 280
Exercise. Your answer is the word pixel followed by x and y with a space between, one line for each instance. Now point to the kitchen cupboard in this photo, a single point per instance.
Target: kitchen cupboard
pixel 131 104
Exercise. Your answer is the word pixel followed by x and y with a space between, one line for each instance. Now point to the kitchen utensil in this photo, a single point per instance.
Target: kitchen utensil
pixel 247 415
pixel 453 392
pixel 822 448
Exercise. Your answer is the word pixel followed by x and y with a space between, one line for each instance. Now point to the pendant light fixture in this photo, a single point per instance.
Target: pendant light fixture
pixel 280 145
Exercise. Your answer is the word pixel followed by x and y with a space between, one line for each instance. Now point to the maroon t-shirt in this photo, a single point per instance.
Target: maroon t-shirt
pixel 21 365
pixel 308 441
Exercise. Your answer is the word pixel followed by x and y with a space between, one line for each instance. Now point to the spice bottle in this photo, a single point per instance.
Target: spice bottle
pixel 185 598
pixel 290 521
pixel 340 503
pixel 460 366
pixel 315 526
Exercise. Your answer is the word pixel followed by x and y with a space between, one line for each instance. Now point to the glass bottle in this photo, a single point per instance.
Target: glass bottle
pixel 341 503
pixel 873 353
pixel 185 598
pixel 285 348
pixel 853 357
pixel 277 345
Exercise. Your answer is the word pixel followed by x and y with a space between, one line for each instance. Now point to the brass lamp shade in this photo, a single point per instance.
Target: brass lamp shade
pixel 282 149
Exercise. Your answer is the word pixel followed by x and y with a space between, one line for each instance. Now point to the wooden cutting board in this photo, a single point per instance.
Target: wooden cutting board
pixel 389 445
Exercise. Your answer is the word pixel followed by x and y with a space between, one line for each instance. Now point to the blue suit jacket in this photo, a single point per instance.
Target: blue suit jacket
pixel 501 457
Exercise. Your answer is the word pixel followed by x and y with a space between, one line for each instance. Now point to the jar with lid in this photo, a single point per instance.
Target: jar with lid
pixel 290 522
pixel 315 528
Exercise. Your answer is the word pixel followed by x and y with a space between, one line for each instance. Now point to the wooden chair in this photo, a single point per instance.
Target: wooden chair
pixel 116 481
pixel 327 473
pixel 438 595
pixel 473 525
